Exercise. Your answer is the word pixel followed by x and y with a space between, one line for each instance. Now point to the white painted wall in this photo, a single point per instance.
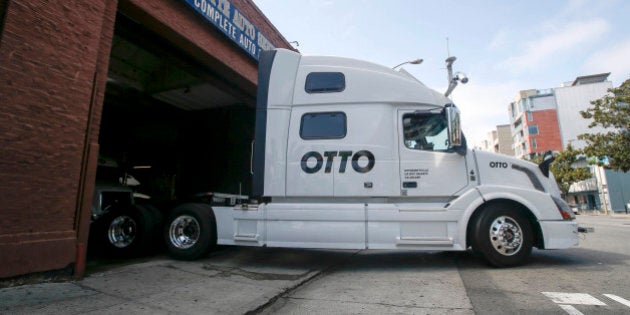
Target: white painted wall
pixel 570 101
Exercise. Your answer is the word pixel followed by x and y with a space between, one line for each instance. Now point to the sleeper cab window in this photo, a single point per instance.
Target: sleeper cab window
pixel 325 82
pixel 326 125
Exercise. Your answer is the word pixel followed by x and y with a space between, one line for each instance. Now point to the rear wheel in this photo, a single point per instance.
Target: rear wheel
pixel 503 235
pixel 126 231
pixel 156 242
pixel 190 231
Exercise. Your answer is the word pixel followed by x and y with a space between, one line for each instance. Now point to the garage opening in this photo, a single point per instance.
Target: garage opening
pixel 170 128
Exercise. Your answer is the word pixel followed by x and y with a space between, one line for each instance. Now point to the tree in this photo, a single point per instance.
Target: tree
pixel 536 158
pixel 564 172
pixel 613 113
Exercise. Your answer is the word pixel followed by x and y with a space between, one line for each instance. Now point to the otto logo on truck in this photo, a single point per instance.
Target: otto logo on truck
pixel 498 165
pixel 330 155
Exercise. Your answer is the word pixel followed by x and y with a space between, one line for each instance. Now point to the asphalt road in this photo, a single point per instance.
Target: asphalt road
pixel 591 279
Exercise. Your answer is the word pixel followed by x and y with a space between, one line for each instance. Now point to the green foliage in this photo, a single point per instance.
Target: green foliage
pixel 534 158
pixel 564 172
pixel 611 111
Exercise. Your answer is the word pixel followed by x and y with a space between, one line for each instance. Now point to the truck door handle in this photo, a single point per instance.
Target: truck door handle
pixel 410 184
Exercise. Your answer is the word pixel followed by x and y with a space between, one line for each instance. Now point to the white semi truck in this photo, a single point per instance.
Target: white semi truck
pixel 352 155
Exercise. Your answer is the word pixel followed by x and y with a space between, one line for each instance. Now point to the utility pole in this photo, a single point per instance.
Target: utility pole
pixel 601 188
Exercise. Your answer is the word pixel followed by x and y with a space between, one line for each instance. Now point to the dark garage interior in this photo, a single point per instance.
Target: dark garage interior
pixel 182 127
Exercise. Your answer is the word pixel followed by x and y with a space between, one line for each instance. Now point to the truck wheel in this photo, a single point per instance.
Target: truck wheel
pixel 155 232
pixel 190 231
pixel 126 232
pixel 503 235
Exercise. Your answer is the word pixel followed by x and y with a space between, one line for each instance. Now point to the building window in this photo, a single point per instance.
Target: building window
pixel 329 125
pixel 532 130
pixel 534 144
pixel 530 116
pixel 325 82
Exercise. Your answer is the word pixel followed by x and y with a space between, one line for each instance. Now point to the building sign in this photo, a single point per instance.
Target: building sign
pixel 232 23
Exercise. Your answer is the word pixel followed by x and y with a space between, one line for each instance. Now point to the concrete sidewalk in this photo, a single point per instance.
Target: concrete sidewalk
pixel 227 282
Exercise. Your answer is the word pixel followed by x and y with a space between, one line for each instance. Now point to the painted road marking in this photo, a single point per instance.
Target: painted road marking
pixel 573 298
pixel 618 299
pixel 570 309
pixel 567 300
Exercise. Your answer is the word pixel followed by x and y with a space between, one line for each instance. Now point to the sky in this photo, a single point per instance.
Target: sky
pixel 502 46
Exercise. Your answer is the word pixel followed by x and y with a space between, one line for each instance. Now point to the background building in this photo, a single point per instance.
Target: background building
pixel 607 190
pixel 503 143
pixel 571 98
pixel 549 119
pixel 534 123
pixel 498 141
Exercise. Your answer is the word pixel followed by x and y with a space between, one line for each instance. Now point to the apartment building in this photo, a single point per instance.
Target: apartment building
pixel 534 123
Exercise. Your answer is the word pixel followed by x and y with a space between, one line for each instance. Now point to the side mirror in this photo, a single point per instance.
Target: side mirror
pixel 545 165
pixel 454 127
pixel 455 136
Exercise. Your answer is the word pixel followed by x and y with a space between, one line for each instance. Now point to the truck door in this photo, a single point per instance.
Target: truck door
pixel 428 168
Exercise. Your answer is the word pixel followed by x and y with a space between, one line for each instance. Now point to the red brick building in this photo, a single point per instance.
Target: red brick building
pixel 543 133
pixel 145 80
pixel 534 123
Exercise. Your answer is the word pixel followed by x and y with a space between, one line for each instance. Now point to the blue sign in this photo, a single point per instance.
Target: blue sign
pixel 232 23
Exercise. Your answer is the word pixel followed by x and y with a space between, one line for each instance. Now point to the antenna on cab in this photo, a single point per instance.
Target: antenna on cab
pixel 453 79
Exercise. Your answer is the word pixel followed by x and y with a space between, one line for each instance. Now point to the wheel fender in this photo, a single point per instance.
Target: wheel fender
pixel 538 203
pixel 474 199
pixel 489 194
pixel 468 203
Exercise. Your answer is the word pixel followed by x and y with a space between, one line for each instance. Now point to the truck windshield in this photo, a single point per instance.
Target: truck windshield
pixel 425 131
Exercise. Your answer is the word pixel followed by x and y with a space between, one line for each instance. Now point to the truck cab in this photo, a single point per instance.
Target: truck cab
pixel 350 154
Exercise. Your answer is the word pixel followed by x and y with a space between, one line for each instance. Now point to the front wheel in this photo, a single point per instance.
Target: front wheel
pixel 503 235
pixel 190 231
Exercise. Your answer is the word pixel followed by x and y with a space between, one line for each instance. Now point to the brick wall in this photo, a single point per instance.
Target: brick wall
pixel 48 61
pixel 53 71
pixel 548 137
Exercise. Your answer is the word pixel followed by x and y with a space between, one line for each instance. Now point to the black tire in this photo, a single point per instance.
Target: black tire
pixel 125 231
pixel 503 235
pixel 190 231
pixel 156 244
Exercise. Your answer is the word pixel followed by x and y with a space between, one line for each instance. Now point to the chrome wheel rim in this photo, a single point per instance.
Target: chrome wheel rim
pixel 184 232
pixel 506 236
pixel 122 231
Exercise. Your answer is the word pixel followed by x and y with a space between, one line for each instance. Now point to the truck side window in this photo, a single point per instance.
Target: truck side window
pixel 325 82
pixel 327 125
pixel 425 131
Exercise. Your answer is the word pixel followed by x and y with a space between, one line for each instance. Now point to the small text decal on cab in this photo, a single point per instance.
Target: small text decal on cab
pixel 330 155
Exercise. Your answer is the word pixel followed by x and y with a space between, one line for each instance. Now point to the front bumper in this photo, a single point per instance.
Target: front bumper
pixel 560 234
pixel 585 229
